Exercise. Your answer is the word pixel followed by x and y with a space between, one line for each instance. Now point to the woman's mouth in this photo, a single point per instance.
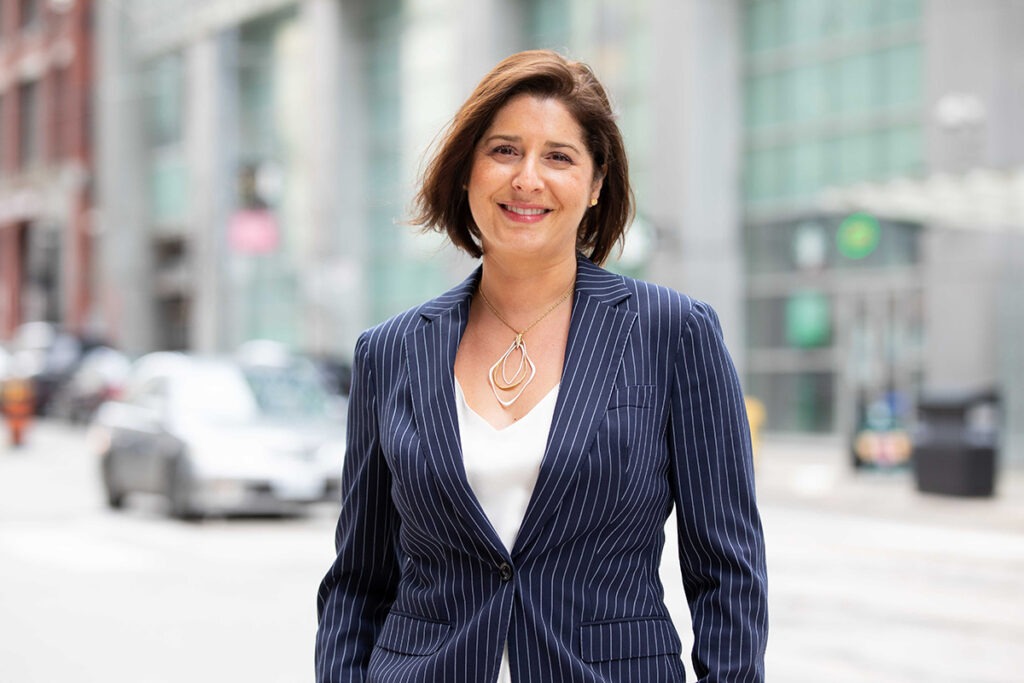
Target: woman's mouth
pixel 524 214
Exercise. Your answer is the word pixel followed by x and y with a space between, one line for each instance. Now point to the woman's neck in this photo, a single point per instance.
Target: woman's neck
pixel 521 291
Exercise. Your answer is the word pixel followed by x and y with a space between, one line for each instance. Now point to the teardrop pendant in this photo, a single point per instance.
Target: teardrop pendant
pixel 521 378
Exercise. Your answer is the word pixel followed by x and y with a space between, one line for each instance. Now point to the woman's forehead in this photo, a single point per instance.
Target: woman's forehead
pixel 535 116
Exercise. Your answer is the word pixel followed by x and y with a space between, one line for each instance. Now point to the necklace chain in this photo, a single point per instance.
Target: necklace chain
pixel 529 327
pixel 499 377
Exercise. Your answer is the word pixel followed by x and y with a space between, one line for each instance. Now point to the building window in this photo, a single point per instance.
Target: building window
pixel 58 114
pixel 30 129
pixel 548 23
pixel 832 96
pixel 28 13
pixel 164 101
pixel 801 401
pixel 3 149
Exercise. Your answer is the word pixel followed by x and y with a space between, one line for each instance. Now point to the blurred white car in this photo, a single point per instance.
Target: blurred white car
pixel 219 435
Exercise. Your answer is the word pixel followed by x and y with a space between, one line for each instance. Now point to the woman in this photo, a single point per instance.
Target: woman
pixel 516 444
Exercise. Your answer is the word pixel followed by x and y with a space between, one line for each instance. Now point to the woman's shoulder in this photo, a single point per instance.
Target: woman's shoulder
pixel 383 335
pixel 397 325
pixel 660 308
pixel 659 304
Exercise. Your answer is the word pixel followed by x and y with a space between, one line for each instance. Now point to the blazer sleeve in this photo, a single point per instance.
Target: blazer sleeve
pixel 721 542
pixel 357 592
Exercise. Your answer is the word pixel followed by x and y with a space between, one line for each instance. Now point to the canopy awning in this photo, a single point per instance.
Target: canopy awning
pixel 984 199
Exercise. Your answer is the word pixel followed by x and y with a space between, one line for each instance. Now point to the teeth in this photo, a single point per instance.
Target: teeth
pixel 525 212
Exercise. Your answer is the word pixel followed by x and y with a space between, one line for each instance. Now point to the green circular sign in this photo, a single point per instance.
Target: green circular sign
pixel 858 235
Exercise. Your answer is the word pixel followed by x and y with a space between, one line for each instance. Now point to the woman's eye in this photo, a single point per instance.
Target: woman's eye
pixel 561 158
pixel 504 150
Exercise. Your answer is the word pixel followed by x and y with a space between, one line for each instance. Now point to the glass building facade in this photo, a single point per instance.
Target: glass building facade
pixel 246 231
pixel 412 61
pixel 833 96
pixel 409 91
pixel 268 235
pixel 259 158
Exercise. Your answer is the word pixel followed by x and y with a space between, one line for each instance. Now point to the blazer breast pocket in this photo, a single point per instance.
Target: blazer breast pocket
pixel 626 428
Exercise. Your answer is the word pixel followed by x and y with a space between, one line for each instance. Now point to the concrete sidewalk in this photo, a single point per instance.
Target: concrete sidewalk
pixel 815 473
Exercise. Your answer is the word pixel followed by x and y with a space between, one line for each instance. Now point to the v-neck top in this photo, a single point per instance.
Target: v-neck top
pixel 502 464
pixel 502 467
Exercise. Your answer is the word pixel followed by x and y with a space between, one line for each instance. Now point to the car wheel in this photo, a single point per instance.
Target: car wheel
pixel 180 491
pixel 114 495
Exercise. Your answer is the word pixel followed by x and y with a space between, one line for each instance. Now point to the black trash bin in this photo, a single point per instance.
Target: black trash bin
pixel 955 450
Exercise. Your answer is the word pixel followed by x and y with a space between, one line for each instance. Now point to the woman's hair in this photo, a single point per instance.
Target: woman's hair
pixel 442 203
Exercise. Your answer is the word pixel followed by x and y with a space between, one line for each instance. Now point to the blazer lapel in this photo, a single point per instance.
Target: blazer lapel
pixel 597 339
pixel 431 349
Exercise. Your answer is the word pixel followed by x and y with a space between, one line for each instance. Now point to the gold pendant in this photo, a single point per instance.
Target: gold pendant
pixel 523 375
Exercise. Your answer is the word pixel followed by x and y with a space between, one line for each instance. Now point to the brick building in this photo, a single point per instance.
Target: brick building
pixel 45 162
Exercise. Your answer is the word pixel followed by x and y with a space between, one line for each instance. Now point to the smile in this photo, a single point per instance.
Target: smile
pixel 524 211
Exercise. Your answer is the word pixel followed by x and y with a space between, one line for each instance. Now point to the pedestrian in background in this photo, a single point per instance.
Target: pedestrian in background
pixel 517 444
pixel 17 405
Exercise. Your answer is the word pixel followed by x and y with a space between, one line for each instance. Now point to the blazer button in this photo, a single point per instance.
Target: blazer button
pixel 505 571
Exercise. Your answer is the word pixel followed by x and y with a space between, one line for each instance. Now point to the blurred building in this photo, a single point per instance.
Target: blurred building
pixel 257 159
pixel 46 169
pixel 882 204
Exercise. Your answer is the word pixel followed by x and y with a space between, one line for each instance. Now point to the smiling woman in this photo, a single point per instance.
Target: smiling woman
pixel 515 445
pixel 442 204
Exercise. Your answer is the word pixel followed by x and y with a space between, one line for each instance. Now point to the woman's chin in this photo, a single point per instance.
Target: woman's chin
pixel 525 248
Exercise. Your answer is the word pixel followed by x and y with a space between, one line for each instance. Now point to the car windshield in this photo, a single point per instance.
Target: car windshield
pixel 232 393
pixel 215 393
pixel 288 391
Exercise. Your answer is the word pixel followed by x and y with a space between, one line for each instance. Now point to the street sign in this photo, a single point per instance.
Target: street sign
pixel 253 231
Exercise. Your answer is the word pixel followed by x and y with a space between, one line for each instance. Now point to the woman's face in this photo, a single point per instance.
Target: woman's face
pixel 532 180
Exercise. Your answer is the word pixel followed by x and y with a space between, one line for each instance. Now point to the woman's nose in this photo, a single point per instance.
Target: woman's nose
pixel 527 178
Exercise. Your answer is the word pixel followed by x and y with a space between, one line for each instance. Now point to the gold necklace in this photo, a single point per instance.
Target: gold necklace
pixel 498 376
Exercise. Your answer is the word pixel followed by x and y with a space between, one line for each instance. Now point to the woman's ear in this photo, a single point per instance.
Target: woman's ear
pixel 595 190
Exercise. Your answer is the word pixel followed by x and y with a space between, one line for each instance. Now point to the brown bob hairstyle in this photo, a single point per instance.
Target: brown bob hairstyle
pixel 442 204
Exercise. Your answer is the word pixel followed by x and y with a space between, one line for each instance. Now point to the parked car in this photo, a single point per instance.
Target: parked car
pixel 337 375
pixel 99 376
pixel 219 435
pixel 47 356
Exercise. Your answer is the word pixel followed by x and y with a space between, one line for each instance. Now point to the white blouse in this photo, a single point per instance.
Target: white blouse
pixel 502 467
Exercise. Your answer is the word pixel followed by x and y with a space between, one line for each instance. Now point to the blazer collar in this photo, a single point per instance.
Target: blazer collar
pixel 455 298
pixel 597 334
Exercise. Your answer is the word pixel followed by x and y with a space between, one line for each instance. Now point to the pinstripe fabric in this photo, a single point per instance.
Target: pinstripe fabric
pixel 649 415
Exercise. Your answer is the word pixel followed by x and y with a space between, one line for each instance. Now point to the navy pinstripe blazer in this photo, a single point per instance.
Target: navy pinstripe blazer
pixel 649 414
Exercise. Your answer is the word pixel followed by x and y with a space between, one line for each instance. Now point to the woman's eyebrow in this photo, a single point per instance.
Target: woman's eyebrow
pixel 559 145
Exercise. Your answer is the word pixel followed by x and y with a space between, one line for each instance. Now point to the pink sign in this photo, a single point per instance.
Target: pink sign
pixel 253 231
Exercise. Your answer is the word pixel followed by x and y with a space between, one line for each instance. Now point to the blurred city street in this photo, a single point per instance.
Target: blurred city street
pixel 869 580
pixel 139 597
pixel 205 203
